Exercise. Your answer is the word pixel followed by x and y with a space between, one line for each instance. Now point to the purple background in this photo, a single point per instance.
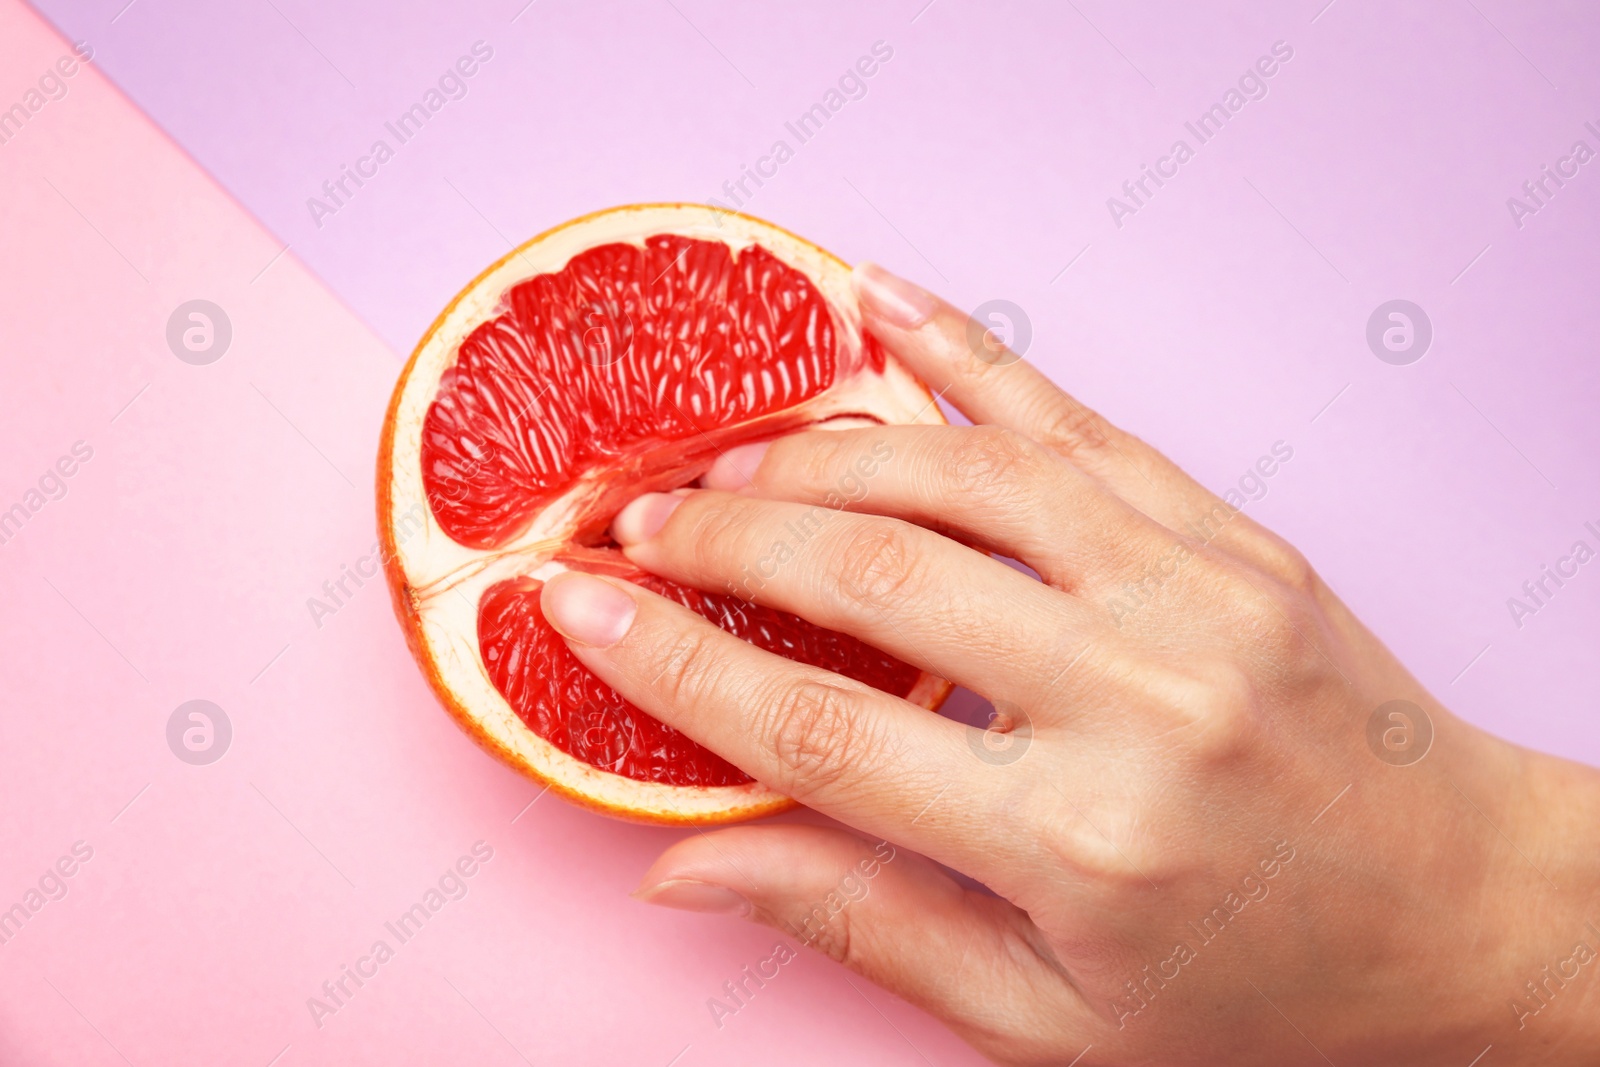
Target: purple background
pixel 1227 314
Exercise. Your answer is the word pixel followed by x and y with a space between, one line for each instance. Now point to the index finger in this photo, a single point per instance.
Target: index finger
pixel 992 385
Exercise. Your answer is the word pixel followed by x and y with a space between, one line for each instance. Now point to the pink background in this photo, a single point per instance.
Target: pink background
pixel 1222 317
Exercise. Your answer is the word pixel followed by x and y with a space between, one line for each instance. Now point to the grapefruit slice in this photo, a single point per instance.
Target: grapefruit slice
pixel 616 354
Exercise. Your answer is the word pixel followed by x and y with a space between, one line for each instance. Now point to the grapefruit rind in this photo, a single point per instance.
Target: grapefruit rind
pixel 436 583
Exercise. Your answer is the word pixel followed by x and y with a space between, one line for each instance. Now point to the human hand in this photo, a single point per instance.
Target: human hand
pixel 1197 855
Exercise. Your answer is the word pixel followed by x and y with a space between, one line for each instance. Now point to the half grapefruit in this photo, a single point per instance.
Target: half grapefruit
pixel 613 355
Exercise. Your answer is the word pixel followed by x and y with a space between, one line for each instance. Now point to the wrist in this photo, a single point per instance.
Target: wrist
pixel 1564 800
pixel 1549 901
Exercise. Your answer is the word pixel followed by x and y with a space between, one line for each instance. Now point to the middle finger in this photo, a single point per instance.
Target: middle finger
pixel 915 594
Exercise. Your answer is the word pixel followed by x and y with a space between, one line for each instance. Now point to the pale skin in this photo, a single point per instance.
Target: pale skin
pixel 1206 755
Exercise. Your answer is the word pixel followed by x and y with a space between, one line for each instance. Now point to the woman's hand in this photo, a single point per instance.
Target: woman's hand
pixel 1209 832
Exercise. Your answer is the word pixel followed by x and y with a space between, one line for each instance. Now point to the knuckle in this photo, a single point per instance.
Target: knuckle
pixel 829 932
pixel 1290 567
pixel 815 735
pixel 1076 431
pixel 725 544
pixel 1243 594
pixel 1273 620
pixel 1220 709
pixel 1206 709
pixel 989 464
pixel 689 668
pixel 1119 872
pixel 717 524
pixel 988 452
pixel 875 564
pixel 1113 866
pixel 1279 559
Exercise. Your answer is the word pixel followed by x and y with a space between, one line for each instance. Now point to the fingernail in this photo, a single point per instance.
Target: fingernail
pixel 587 609
pixel 736 468
pixel 688 895
pixel 643 518
pixel 892 298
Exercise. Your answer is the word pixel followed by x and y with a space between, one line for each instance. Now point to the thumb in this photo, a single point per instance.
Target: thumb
pixel 889 915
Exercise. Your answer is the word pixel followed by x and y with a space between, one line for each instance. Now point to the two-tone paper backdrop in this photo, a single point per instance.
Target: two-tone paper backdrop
pixel 1225 313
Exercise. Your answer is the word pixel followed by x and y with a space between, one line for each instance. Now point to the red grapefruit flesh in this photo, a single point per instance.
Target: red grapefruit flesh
pixel 614 355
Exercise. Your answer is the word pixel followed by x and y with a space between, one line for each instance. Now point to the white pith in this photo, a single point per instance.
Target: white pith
pixel 447 579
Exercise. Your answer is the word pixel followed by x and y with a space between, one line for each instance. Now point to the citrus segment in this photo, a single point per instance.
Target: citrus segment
pixel 623 350
pixel 562 702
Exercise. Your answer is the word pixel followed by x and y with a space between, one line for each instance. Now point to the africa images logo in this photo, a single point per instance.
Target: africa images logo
pixel 451 885
pixel 1252 85
pixel 51 485
pixel 50 87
